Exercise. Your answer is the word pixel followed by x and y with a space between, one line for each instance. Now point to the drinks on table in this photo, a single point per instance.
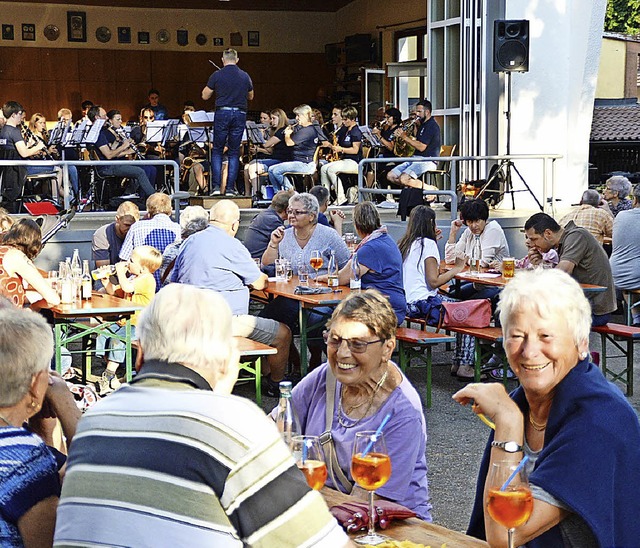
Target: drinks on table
pixel 332 271
pixel 476 255
pixel 508 267
pixel 511 507
pixel 309 457
pixel 371 471
pixel 355 283
pixel 286 417
pixel 316 261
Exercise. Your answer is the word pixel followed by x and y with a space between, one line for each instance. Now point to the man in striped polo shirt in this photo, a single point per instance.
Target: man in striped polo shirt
pixel 173 459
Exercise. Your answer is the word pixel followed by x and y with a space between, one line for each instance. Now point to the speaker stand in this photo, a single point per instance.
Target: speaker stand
pixel 505 166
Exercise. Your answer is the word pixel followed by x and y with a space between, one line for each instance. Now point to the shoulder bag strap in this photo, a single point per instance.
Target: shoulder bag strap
pixel 333 467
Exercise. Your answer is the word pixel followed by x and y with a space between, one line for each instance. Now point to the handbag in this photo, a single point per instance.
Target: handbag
pixel 471 313
pixel 354 516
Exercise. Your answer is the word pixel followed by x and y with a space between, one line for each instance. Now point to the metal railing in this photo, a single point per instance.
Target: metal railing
pixel 548 172
pixel 176 196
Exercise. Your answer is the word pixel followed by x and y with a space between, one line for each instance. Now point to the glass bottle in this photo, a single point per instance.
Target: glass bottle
pixel 355 283
pixel 66 284
pixel 476 255
pixel 86 281
pixel 332 271
pixel 103 271
pixel 286 418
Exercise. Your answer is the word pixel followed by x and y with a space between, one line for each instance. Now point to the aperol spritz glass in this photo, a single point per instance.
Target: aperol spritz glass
pixel 316 262
pixel 309 457
pixel 371 469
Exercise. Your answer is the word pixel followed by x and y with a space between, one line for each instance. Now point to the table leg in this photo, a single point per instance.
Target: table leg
pixel 127 336
pixel 304 357
pixel 58 346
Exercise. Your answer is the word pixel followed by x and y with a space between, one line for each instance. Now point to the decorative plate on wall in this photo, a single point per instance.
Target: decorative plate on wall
pixel 163 36
pixel 201 39
pixel 103 34
pixel 51 32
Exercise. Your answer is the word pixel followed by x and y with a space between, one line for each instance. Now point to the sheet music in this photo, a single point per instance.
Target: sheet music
pixel 198 135
pixel 78 132
pixel 255 132
pixel 200 116
pixel 92 136
pixel 170 131
pixel 369 136
pixel 154 130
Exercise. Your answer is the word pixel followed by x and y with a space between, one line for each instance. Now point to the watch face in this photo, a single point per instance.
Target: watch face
pixel 511 447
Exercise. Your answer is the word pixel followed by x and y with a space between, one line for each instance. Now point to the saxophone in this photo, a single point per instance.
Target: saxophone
pixel 400 147
pixel 334 156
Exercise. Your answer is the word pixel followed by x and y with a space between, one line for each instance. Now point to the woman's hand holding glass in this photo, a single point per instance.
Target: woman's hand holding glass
pixel 370 469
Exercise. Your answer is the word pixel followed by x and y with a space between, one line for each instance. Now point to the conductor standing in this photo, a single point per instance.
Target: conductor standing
pixel 233 88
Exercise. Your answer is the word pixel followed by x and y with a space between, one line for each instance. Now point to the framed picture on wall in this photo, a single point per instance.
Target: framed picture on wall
pixel 253 38
pixel 28 32
pixel 143 38
pixel 77 26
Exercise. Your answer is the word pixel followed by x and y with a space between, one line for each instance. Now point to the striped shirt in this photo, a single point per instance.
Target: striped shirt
pixel 165 462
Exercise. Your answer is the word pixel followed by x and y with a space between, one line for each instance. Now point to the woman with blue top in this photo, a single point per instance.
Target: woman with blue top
pixel 581 436
pixel 303 139
pixel 379 259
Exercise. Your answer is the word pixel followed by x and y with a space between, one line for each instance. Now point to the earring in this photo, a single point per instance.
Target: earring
pixel 34 404
pixel 584 355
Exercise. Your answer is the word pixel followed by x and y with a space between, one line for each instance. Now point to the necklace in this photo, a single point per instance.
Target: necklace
pixel 341 412
pixel 295 232
pixel 538 427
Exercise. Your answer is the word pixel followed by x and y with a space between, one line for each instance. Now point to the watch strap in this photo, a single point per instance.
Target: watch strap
pixel 508 446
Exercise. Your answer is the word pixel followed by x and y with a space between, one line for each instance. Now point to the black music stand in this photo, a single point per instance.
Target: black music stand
pixel 196 120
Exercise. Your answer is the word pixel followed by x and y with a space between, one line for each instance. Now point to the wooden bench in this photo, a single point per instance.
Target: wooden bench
pixel 423 326
pixel 488 343
pixel 251 353
pixel 615 334
pixel 408 338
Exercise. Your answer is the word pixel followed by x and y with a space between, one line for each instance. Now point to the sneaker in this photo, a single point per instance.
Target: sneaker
pixel 496 374
pixel 465 372
pixel 232 192
pixel 216 193
pixel 454 369
pixel 270 388
pixel 107 384
pixel 494 363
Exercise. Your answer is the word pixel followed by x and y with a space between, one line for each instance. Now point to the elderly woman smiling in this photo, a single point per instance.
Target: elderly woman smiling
pixel 580 433
pixel 365 385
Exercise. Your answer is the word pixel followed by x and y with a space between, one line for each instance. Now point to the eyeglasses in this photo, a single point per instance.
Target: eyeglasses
pixel 356 346
pixel 296 212
pixel 148 117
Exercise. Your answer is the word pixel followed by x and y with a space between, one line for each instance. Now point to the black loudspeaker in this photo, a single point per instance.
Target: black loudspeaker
pixel 359 48
pixel 511 45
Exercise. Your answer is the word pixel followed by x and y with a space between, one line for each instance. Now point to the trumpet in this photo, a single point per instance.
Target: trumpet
pixel 400 147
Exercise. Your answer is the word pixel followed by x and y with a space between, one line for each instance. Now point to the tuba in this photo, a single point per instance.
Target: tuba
pixel 400 147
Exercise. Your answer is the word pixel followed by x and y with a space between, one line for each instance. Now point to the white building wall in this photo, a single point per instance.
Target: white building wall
pixel 552 104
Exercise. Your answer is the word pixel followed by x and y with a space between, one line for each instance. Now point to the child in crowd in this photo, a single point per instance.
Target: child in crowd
pixel 139 287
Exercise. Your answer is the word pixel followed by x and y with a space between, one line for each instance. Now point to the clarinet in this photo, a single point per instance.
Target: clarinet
pixel 29 135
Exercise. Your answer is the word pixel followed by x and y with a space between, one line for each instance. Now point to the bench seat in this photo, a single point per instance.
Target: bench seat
pixel 618 337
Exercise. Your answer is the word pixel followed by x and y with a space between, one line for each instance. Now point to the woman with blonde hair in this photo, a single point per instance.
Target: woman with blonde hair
pixel 273 151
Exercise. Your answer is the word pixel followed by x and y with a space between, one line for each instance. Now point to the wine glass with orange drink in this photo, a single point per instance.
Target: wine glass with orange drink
pixel 316 262
pixel 509 503
pixel 309 457
pixel 370 469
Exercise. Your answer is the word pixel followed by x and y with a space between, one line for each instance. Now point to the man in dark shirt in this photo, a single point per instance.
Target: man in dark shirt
pixel 13 147
pixel 233 88
pixel 108 239
pixel 110 147
pixel 159 110
pixel 426 144
pixel 258 233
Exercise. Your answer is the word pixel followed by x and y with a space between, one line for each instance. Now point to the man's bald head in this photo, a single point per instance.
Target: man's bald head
pixel 226 215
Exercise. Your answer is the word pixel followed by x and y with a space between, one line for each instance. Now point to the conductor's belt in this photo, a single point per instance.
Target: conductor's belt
pixel 232 108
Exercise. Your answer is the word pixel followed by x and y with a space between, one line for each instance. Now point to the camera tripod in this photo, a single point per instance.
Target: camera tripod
pixel 502 173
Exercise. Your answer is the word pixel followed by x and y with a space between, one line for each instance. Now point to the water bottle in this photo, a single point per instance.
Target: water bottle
pixel 76 268
pixel 332 271
pixel 87 286
pixel 66 284
pixel 476 255
pixel 355 282
pixel 103 272
pixel 286 419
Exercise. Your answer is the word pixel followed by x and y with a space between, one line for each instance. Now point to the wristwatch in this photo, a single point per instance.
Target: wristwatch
pixel 508 446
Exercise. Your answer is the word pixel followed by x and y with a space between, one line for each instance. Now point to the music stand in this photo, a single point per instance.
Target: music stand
pixel 370 136
pixel 85 134
pixel 204 121
pixel 255 132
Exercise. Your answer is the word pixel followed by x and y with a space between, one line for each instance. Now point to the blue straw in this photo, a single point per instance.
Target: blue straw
pixel 515 473
pixel 304 451
pixel 375 436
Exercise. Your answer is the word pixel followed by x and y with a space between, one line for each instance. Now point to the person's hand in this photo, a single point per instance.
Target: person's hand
pixel 490 399
pixel 323 278
pixel 337 214
pixel 56 396
pixel 277 235
pixel 438 234
pixel 122 267
pixel 460 263
pixel 535 257
pixel 288 131
pixel 376 131
pixel 456 225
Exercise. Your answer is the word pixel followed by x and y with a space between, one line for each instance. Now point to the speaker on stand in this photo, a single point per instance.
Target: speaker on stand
pixel 510 54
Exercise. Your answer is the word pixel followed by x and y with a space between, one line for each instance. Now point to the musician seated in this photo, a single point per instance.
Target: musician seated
pixel 112 146
pixel 13 147
pixel 39 134
pixel 347 152
pixel 425 144
pixel 303 142
pixel 273 151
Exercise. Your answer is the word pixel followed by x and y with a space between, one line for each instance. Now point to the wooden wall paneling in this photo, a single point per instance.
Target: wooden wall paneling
pixel 28 94
pixel 59 64
pixel 174 94
pixel 101 93
pixel 97 65
pixel 130 98
pixel 133 66
pixel 59 94
pixel 177 66
pixel 20 64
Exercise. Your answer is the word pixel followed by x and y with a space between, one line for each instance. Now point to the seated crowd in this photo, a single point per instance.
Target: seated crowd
pixel 226 477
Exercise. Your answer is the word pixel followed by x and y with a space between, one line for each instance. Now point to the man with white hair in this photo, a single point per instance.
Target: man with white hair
pixel 214 259
pixel 592 216
pixel 174 459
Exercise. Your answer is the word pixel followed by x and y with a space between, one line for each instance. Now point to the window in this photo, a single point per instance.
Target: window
pixel 411 46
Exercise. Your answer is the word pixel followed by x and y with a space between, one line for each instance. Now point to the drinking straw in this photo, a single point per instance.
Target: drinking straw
pixel 515 473
pixel 489 423
pixel 304 451
pixel 375 436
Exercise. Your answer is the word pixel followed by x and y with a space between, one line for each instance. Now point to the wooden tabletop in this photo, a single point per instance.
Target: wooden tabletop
pixel 413 529
pixel 287 289
pixel 100 304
